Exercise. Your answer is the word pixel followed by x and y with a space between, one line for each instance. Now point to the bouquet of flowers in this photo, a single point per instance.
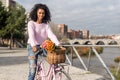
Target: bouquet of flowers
pixel 48 45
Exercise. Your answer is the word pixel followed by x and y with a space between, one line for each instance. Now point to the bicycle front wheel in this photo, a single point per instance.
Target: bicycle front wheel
pixel 61 75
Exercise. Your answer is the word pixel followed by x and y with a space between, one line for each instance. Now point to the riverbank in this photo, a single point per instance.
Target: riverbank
pixel 96 66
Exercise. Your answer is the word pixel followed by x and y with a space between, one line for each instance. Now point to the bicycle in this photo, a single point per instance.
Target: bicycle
pixel 53 72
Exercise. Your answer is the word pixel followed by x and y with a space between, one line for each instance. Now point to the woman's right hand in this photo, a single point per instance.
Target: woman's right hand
pixel 34 49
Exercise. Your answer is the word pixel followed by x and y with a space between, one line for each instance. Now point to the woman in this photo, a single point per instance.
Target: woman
pixel 38 31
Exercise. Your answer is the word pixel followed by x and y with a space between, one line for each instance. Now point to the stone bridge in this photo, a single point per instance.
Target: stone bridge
pixel 95 41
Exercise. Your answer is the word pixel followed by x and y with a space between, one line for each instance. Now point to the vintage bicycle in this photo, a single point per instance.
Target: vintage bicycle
pixel 49 68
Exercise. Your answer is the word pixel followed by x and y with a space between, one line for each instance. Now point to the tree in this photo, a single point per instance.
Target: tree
pixel 15 23
pixel 3 17
pixel 55 30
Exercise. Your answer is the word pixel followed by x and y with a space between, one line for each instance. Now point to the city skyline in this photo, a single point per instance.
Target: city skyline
pixel 97 16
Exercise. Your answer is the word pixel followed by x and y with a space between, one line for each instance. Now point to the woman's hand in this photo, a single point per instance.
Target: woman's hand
pixel 34 49
pixel 62 47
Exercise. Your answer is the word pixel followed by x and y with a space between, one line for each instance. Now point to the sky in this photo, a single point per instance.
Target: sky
pixel 100 17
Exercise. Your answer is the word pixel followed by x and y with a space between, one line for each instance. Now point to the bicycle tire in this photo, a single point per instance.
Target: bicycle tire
pixel 37 75
pixel 64 75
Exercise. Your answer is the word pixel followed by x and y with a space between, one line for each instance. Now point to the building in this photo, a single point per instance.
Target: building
pixel 63 29
pixel 79 34
pixel 70 34
pixel 7 3
pixel 75 34
pixel 85 34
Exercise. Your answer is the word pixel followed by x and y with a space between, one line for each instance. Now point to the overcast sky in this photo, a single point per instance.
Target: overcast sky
pixel 97 16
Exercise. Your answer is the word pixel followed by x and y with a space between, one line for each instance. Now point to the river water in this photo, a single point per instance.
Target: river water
pixel 108 56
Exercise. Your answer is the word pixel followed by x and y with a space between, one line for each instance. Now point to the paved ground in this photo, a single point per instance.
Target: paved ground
pixel 14 66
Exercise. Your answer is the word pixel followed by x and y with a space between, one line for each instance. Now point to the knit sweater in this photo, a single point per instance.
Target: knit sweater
pixel 38 33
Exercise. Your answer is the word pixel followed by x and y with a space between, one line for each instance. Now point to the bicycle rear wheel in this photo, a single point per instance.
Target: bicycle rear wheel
pixel 62 75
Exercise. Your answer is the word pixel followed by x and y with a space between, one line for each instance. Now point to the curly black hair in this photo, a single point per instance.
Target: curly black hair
pixel 33 13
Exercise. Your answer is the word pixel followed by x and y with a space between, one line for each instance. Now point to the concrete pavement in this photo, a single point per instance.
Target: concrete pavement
pixel 14 66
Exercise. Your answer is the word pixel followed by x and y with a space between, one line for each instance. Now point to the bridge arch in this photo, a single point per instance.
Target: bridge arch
pixel 87 43
pixel 113 42
pixel 100 43
pixel 76 42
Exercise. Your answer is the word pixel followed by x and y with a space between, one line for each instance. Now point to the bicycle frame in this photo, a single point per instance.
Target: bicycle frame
pixel 50 74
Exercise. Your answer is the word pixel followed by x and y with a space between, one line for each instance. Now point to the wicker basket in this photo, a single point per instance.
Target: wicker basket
pixel 56 56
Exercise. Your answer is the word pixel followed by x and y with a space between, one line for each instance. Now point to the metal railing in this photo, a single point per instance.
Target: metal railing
pixel 118 68
pixel 92 47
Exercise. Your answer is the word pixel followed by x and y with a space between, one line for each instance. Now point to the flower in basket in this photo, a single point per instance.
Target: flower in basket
pixel 55 53
pixel 48 45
